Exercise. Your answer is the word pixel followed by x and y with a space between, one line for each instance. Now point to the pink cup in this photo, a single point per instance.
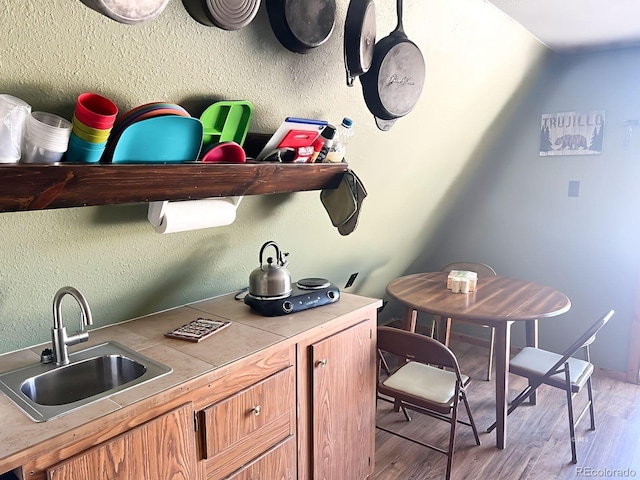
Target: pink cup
pixel 95 111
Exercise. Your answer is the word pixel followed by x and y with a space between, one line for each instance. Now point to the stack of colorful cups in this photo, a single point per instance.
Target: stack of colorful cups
pixel 92 122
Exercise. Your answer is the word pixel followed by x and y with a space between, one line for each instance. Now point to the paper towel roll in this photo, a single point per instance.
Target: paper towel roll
pixel 169 217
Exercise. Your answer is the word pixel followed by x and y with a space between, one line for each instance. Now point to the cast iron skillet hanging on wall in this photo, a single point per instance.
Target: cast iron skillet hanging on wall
pixel 359 38
pixel 393 84
pixel 302 25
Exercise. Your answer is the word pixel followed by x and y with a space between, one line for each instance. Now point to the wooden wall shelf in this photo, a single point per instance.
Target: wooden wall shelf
pixel 38 187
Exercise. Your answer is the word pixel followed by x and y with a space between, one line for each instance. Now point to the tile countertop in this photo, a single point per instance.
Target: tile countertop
pixel 192 363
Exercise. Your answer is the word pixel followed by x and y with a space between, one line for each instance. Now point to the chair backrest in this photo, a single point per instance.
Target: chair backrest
pixel 481 269
pixel 586 339
pixel 416 347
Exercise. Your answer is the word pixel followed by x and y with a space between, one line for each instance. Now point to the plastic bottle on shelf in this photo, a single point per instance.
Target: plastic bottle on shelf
pixel 341 140
pixel 345 131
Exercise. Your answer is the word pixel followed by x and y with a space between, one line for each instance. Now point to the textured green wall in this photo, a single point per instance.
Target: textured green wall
pixel 52 50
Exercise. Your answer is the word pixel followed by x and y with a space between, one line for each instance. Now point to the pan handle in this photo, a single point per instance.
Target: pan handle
pixel 350 79
pixel 400 27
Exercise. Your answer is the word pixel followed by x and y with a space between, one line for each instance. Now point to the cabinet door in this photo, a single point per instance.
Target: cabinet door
pixel 162 449
pixel 344 404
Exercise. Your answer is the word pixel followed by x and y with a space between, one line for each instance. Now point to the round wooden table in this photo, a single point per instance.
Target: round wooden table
pixel 497 301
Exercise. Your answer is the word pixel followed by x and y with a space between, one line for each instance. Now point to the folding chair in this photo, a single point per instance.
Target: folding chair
pixel 560 371
pixel 426 379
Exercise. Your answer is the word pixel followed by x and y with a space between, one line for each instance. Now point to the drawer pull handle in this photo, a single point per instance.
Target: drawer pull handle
pixel 322 363
pixel 257 410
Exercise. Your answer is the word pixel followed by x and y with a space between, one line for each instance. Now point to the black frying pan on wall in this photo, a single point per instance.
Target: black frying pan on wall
pixel 359 38
pixel 393 84
pixel 302 25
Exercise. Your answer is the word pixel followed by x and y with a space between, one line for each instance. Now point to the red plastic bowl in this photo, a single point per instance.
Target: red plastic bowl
pixel 225 152
pixel 96 111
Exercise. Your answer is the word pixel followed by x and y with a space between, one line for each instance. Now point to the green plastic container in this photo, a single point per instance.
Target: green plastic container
pixel 226 122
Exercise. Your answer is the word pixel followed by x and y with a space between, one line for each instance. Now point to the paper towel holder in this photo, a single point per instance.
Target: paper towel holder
pixel 158 210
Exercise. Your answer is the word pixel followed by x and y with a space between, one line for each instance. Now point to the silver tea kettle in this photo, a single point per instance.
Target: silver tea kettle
pixel 273 279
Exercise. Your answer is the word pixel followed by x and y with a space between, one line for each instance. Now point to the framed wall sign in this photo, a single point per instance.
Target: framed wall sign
pixel 571 133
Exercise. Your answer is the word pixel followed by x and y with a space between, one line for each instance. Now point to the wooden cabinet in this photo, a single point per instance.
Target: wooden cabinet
pixel 163 448
pixel 343 404
pixel 336 402
pixel 300 408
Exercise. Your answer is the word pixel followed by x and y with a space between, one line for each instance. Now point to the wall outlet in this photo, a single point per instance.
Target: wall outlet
pixel 574 188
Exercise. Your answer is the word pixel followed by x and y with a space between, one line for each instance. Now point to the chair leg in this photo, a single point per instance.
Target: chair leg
pixel 471 420
pixel 591 409
pixel 532 397
pixel 452 437
pixel 398 404
pixel 433 327
pixel 492 341
pixel 572 425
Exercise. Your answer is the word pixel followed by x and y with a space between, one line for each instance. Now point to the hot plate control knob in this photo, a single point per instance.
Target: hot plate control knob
pixel 287 306
pixel 331 295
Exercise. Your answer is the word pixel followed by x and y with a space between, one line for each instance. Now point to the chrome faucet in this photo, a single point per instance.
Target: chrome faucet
pixel 59 337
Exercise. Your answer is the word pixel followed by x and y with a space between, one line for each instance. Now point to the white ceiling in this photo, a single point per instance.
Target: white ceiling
pixel 577 25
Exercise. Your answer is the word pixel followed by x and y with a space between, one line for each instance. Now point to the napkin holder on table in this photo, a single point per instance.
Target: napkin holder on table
pixel 471 277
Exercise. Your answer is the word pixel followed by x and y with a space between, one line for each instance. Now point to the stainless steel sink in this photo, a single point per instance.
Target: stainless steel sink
pixel 44 391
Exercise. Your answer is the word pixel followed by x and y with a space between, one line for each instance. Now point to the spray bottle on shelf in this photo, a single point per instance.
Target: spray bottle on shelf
pixel 327 137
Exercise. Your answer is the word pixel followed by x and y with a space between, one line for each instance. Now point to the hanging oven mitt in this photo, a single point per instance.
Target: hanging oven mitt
pixel 343 203
pixel 351 224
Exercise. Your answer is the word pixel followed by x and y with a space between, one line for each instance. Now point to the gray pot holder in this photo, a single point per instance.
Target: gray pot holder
pixel 343 203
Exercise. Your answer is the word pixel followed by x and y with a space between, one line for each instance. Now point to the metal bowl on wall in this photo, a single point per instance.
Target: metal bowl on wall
pixel 128 12
pixel 224 14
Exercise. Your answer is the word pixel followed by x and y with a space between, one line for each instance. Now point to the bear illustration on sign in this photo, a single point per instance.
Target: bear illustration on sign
pixel 572 142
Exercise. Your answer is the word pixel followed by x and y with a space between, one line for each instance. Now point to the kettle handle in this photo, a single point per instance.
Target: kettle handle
pixel 278 254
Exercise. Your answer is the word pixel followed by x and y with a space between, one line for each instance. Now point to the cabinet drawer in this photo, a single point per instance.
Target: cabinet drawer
pixel 242 427
pixel 278 463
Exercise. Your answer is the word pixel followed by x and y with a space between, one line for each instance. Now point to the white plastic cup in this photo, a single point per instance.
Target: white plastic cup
pixel 34 153
pixel 46 138
pixel 49 128
pixel 14 115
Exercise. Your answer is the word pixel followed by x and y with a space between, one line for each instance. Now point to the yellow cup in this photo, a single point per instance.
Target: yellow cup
pixel 89 134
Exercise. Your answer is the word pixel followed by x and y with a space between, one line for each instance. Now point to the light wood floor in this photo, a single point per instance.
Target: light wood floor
pixel 538 436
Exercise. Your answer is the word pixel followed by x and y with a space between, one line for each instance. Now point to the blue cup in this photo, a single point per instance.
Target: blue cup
pixel 81 151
